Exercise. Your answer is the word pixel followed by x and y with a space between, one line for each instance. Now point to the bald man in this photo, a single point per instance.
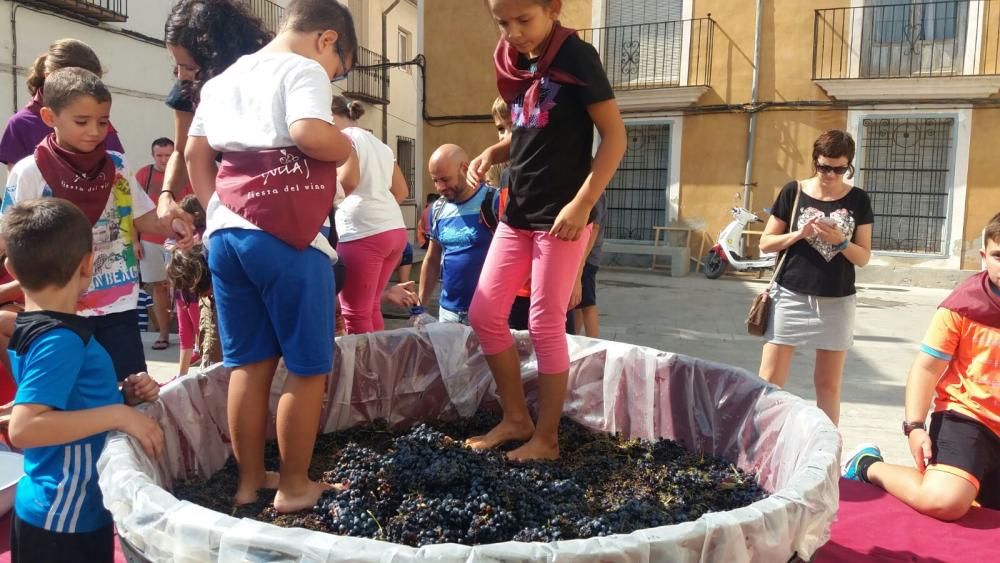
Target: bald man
pixel 461 229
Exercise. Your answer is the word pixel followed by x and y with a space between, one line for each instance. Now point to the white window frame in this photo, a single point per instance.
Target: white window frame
pixel 671 214
pixel 404 47
pixel 954 231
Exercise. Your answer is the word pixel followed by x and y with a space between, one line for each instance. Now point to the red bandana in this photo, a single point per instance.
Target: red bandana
pixel 975 300
pixel 513 81
pixel 282 191
pixel 82 178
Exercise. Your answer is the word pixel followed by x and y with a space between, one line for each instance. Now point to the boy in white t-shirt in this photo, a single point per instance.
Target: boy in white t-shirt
pixel 72 163
pixel 268 209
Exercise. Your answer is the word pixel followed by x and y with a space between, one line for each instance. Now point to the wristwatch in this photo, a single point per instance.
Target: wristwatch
pixel 911 426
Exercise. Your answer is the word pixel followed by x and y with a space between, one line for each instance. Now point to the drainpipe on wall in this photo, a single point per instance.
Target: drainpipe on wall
pixel 13 52
pixel 385 76
pixel 751 134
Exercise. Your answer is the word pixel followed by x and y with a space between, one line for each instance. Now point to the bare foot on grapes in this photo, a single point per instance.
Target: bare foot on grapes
pixel 305 499
pixel 535 449
pixel 247 494
pixel 502 433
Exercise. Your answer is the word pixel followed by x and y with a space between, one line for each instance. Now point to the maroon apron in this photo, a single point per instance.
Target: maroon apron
pixel 281 191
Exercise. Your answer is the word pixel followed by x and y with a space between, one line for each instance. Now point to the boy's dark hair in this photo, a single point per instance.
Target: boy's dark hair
pixel 188 270
pixel 191 205
pixel 992 230
pixel 64 86
pixel 161 142
pixel 835 144
pixel 215 33
pixel 304 16
pixel 432 197
pixel 64 53
pixel 46 239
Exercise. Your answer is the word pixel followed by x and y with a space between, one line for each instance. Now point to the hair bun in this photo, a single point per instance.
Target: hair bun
pixel 355 110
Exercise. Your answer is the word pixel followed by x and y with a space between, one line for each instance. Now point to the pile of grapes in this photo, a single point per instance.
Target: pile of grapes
pixel 424 487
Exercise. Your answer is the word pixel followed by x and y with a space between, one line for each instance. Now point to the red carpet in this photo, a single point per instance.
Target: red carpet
pixel 873 526
pixel 5 542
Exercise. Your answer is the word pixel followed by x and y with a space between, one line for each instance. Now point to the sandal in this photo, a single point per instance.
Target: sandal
pixel 161 345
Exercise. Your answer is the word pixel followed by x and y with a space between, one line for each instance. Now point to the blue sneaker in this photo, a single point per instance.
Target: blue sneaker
pixel 849 469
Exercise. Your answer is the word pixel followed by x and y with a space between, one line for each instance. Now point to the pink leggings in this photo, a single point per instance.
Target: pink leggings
pixel 368 265
pixel 552 264
pixel 188 320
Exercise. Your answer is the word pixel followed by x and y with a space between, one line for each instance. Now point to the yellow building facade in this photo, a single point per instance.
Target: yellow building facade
pixel 916 84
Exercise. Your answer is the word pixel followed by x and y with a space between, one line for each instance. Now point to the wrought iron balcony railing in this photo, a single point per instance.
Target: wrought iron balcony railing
pixel 97 10
pixel 369 81
pixel 655 55
pixel 907 40
pixel 268 12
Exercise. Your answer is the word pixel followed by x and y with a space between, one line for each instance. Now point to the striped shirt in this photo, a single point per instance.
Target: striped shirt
pixel 145 302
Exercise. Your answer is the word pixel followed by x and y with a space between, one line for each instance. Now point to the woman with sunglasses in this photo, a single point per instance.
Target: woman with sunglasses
pixel 370 226
pixel 204 37
pixel 825 226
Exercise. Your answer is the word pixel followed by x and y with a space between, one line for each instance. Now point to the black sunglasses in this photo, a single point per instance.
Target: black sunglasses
pixel 826 169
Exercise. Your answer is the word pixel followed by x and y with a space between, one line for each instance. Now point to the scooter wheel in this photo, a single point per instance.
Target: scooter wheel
pixel 714 266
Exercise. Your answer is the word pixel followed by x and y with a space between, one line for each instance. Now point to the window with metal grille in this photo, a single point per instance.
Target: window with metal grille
pixel 912 38
pixel 642 42
pixel 637 195
pixel 906 168
pixel 406 151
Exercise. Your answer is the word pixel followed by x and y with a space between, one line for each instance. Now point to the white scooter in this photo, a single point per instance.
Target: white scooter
pixel 726 254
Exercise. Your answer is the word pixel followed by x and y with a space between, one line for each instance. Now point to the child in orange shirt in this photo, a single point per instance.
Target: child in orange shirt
pixel 958 458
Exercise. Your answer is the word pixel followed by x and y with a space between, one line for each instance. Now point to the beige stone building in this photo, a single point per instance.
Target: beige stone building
pixel 915 82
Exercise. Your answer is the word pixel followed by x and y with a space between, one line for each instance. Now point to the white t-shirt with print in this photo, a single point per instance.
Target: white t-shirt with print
pixel 115 285
pixel 371 208
pixel 251 106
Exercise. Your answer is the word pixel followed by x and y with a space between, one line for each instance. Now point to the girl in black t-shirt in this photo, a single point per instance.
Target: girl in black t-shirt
pixel 558 92
pixel 814 294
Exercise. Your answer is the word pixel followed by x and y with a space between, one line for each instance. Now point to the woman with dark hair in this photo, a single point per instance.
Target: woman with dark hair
pixel 204 37
pixel 824 225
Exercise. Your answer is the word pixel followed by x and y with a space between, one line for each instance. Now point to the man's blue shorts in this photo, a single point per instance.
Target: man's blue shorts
pixel 273 300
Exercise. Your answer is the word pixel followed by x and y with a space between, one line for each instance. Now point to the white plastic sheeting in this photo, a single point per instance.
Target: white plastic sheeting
pixel 408 375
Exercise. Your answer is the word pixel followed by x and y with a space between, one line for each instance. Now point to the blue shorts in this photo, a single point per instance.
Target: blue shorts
pixel 407 258
pixel 272 300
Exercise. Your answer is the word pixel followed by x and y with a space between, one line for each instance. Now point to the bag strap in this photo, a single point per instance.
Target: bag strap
pixel 149 179
pixel 791 222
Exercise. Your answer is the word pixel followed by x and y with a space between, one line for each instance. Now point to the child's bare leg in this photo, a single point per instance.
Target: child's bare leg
pixel 516 423
pixel 299 409
pixel 249 389
pixel 935 493
pixel 184 362
pixel 544 443
pixel 591 321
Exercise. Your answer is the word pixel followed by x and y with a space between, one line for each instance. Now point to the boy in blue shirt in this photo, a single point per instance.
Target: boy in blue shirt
pixel 67 397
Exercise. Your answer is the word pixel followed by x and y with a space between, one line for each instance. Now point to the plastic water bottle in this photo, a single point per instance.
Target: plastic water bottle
pixel 420 317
